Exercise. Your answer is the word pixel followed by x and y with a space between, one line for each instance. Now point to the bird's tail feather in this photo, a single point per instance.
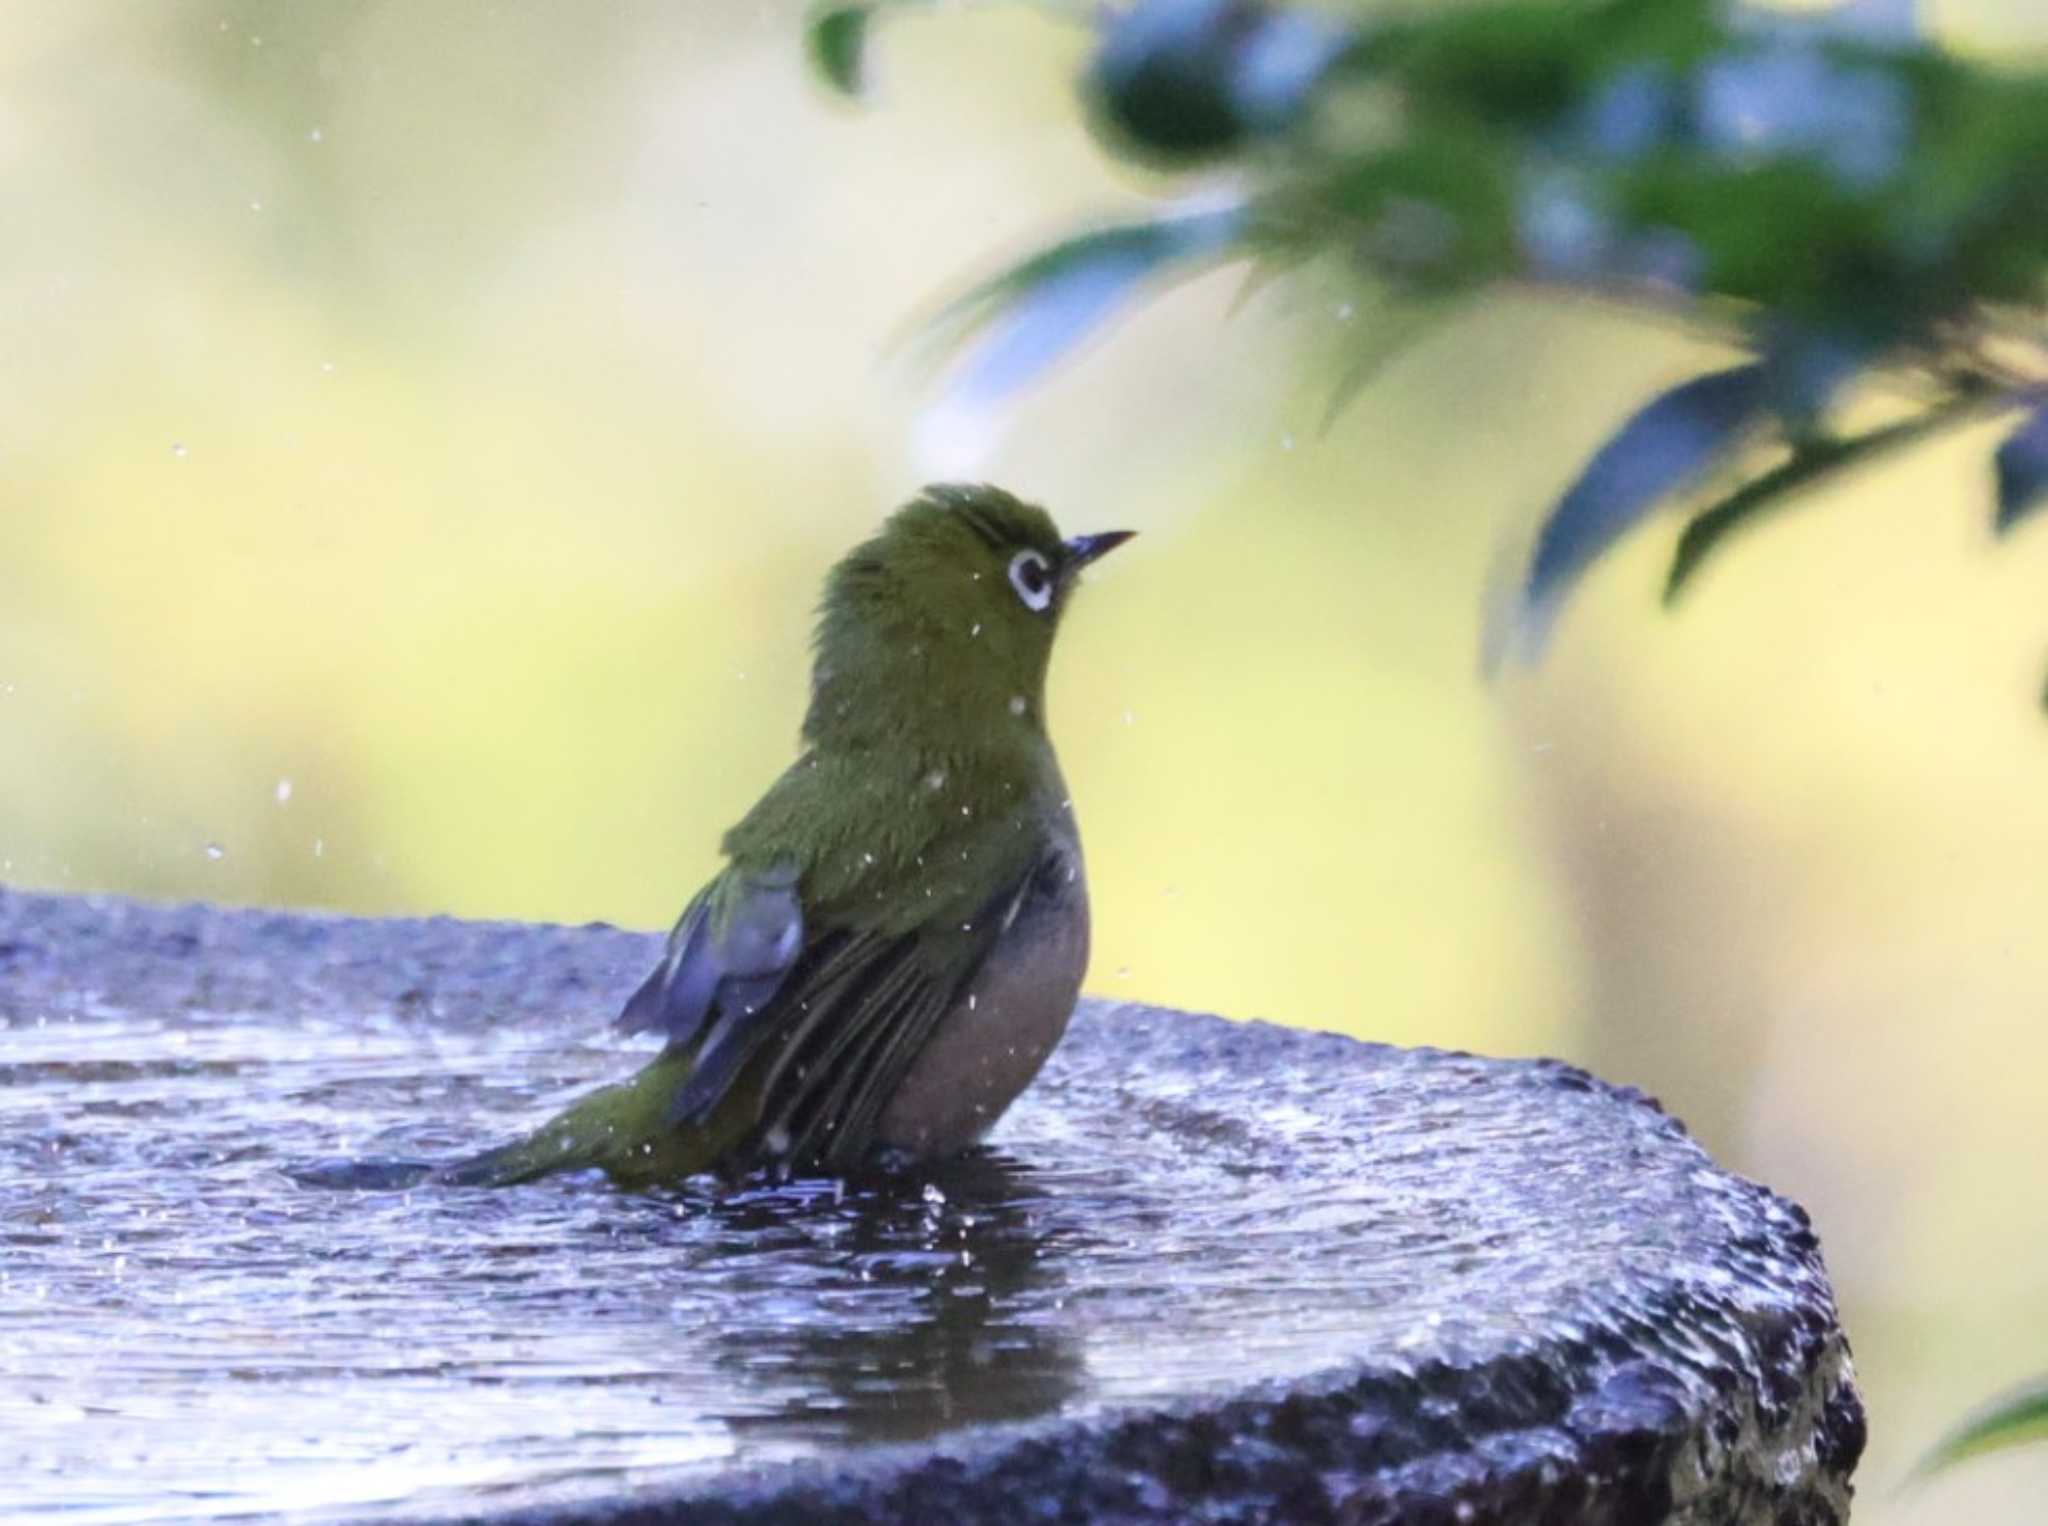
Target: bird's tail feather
pixel 543 1153
pixel 626 1131
pixel 623 1130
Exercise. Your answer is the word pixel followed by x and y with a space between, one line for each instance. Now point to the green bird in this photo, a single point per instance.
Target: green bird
pixel 898 936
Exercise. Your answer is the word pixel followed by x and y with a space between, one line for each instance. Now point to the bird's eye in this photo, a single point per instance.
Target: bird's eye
pixel 1031 576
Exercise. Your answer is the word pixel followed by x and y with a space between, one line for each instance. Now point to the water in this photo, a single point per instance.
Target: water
pixel 1179 1206
pixel 186 1333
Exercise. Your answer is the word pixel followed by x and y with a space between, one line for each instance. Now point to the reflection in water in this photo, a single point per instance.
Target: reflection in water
pixel 930 1314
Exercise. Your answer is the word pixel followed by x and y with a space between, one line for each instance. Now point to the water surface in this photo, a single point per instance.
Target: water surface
pixel 187 1333
pixel 1179 1206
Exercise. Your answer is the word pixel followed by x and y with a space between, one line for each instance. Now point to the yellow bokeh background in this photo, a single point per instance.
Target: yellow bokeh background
pixel 423 430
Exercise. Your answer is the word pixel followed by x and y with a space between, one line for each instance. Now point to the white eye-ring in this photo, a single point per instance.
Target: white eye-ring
pixel 1031 576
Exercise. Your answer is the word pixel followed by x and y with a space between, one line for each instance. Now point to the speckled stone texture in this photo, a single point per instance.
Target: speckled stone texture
pixel 1527 1296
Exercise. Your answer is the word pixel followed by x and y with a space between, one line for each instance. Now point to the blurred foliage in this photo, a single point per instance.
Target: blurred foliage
pixel 2018 1418
pixel 1849 203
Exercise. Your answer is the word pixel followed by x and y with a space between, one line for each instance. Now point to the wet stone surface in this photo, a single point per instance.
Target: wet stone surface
pixel 1208 1271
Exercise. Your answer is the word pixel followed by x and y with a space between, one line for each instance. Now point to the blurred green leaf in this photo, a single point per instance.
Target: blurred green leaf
pixel 1812 463
pixel 1018 323
pixel 838 36
pixel 2022 468
pixel 1663 448
pixel 2018 1419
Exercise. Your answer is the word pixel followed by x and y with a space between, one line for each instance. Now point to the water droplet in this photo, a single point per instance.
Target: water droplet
pixel 315 135
pixel 933 1193
pixel 972 1001
pixel 178 451
pixel 1344 312
pixel 284 790
pixel 1123 972
pixel 1287 442
pixel 935 780
pixel 1129 718
pixel 976 631
pixel 1018 704
pixel 319 847
pixel 255 206
pixel 215 851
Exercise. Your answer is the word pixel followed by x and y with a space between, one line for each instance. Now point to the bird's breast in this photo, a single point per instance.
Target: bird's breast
pixel 1000 1032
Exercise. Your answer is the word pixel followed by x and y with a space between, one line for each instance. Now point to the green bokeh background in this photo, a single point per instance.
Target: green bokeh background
pixel 424 427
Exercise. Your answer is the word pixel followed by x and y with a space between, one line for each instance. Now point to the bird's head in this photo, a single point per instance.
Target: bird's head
pixel 946 616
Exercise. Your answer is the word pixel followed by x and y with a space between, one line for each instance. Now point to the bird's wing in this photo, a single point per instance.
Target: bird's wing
pixel 731 950
pixel 825 1055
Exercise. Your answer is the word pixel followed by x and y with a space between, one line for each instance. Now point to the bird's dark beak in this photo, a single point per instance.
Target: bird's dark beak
pixel 1083 549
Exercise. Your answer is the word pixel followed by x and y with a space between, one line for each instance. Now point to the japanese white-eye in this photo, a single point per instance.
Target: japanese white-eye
pixel 898 936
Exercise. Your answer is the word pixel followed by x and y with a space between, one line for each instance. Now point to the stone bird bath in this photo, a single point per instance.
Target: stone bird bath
pixel 1207 1271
